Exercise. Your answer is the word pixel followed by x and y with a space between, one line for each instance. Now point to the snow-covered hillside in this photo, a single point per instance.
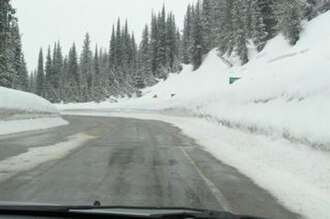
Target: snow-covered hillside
pixel 284 90
pixel 273 124
pixel 22 111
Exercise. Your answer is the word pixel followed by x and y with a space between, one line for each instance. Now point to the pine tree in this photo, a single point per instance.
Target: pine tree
pixel 112 49
pixel 172 47
pixel 197 38
pixel 223 25
pixel 288 16
pixel 7 17
pixel 15 55
pixel 133 53
pixel 118 47
pixel 86 72
pixel 49 77
pixel 161 61
pixel 107 78
pixel 145 72
pixel 65 91
pixel 96 91
pixel 153 43
pixel 40 75
pixel 33 82
pixel 207 25
pixel 267 10
pixel 23 75
pixel 58 59
pixel 186 41
pixel 258 28
pixel 73 75
pixel 240 39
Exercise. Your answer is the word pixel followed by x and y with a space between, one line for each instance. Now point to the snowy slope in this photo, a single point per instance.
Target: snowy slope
pixel 272 125
pixel 283 91
pixel 22 111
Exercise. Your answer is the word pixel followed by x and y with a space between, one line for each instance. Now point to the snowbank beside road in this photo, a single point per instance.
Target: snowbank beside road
pixel 21 111
pixel 19 101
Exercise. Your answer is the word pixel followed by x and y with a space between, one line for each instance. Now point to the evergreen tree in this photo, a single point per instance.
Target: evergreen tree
pixel 96 92
pixel 258 28
pixel 240 39
pixel 49 77
pixel 16 59
pixel 153 44
pixel 86 72
pixel 7 17
pixel 145 71
pixel 223 25
pixel 112 49
pixel 133 53
pixel 65 90
pixel 161 61
pixel 207 25
pixel 288 16
pixel 197 38
pixel 186 41
pixel 172 47
pixel 15 55
pixel 269 20
pixel 33 82
pixel 118 47
pixel 229 25
pixel 40 81
pixel 58 66
pixel 74 79
pixel 23 75
pixel 109 73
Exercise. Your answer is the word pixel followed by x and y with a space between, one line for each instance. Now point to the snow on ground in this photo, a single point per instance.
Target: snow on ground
pixel 38 155
pixel 22 101
pixel 297 175
pixel 21 111
pixel 23 125
pixel 283 91
pixel 272 125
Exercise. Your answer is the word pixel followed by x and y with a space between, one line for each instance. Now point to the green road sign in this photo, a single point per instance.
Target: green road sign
pixel 233 79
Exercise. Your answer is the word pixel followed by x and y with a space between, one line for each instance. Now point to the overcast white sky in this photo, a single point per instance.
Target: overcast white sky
pixel 42 22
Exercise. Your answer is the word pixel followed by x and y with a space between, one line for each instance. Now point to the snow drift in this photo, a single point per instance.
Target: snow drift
pixel 18 108
pixel 20 102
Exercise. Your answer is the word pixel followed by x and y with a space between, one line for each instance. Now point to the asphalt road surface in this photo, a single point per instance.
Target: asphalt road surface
pixel 133 163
